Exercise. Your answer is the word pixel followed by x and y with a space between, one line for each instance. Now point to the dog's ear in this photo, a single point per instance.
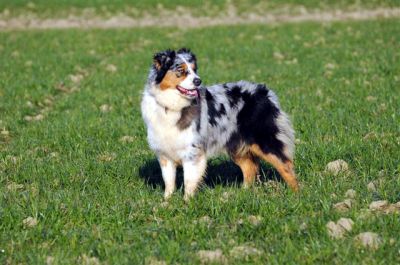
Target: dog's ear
pixel 190 55
pixel 184 50
pixel 164 59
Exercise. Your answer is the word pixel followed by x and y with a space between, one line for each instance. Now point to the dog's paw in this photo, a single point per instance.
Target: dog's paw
pixel 168 194
pixel 188 196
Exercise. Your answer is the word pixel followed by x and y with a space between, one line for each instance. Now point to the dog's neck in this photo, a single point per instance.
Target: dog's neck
pixel 169 99
pixel 194 103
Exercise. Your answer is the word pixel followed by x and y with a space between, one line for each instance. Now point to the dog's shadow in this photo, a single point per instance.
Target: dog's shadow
pixel 219 172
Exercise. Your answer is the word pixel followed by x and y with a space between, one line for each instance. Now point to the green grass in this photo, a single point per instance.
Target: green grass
pixel 135 8
pixel 113 210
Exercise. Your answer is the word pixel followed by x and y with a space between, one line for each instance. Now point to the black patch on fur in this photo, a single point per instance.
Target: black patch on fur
pixel 234 95
pixel 186 50
pixel 198 126
pixel 257 122
pixel 222 109
pixel 164 60
pixel 213 112
pixel 209 96
pixel 233 143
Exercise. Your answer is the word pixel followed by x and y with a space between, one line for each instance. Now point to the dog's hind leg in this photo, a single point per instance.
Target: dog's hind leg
pixel 249 166
pixel 193 171
pixel 285 168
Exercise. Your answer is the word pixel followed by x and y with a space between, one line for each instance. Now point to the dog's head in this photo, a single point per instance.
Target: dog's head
pixel 176 70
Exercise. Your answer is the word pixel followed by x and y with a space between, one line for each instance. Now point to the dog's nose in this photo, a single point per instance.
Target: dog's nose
pixel 197 81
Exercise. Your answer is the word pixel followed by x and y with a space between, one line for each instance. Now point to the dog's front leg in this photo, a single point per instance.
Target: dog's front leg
pixel 193 171
pixel 168 170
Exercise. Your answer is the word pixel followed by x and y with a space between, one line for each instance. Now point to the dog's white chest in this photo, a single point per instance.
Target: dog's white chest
pixel 163 135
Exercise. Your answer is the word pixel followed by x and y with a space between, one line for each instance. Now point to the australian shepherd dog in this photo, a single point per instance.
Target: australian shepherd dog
pixel 187 123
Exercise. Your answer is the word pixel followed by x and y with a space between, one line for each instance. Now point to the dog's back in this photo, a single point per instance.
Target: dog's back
pixel 241 114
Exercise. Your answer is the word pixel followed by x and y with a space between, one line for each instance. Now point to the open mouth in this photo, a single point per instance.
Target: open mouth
pixel 188 92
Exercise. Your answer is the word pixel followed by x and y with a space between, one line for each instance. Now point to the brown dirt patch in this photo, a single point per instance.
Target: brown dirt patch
pixel 187 20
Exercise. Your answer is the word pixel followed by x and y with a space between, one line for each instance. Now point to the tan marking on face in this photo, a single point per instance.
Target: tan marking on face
pixel 157 65
pixel 173 78
pixel 285 169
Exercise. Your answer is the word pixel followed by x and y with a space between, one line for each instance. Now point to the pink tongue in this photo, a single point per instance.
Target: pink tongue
pixel 194 92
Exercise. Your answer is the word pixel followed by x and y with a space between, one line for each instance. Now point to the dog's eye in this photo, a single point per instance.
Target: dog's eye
pixel 180 72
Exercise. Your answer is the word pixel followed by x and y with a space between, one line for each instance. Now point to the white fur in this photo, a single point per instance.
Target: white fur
pixel 168 171
pixel 168 98
pixel 286 134
pixel 193 174
pixel 172 144
pixel 163 135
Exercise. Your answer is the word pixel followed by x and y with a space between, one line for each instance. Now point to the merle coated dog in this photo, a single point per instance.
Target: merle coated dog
pixel 187 123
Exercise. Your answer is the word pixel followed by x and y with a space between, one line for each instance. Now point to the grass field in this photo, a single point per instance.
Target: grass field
pixel 68 98
pixel 135 8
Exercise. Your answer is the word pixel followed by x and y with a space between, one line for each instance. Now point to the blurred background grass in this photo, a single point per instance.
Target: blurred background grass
pixel 43 8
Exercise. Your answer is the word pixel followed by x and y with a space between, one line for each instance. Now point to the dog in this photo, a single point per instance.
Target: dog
pixel 187 123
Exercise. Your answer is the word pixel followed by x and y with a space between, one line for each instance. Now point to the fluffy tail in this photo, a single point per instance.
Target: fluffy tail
pixel 286 132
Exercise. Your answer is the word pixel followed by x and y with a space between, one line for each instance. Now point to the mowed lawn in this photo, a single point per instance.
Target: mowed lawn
pixel 74 156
